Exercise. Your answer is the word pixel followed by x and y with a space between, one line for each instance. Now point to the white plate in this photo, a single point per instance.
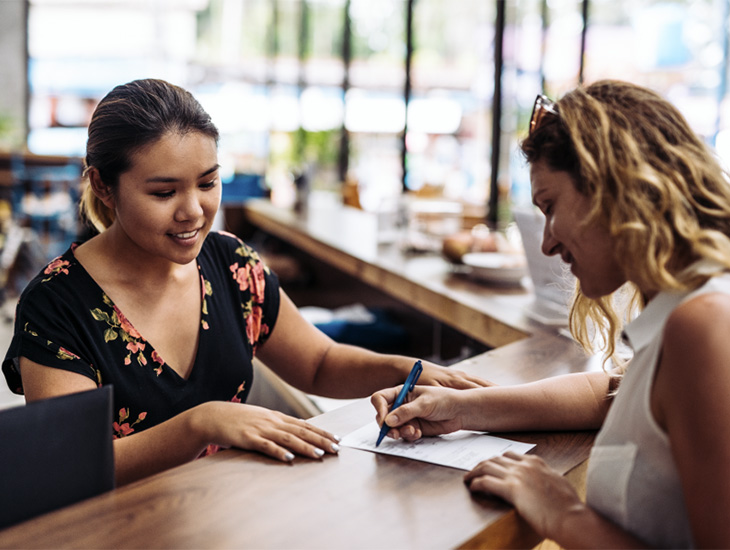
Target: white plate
pixel 496 267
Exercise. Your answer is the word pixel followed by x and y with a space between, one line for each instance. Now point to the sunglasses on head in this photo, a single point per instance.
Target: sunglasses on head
pixel 543 105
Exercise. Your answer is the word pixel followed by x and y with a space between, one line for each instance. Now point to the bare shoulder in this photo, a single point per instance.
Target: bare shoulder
pixel 690 403
pixel 693 376
pixel 42 382
pixel 700 320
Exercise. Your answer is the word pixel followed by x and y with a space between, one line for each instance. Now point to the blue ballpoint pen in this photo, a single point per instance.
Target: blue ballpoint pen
pixel 407 387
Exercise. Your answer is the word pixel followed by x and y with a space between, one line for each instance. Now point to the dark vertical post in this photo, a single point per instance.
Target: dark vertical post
pixel 407 87
pixel 302 55
pixel 303 42
pixel 583 32
pixel 273 41
pixel 492 212
pixel 343 162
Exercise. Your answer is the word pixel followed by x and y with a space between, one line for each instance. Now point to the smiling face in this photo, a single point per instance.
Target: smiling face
pixel 587 249
pixel 166 202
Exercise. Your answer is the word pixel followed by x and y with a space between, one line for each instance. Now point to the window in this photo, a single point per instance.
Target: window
pixel 396 95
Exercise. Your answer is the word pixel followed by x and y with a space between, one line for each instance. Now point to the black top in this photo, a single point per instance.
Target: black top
pixel 65 320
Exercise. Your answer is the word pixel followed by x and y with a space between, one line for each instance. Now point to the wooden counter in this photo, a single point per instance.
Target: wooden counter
pixel 346 238
pixel 357 499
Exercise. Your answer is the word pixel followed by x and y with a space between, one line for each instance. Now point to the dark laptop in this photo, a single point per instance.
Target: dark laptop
pixel 55 452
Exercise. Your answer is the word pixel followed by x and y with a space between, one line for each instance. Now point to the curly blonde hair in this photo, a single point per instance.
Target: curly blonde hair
pixel 656 186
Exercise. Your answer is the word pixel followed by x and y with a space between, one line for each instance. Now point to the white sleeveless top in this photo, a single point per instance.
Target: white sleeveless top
pixel 632 478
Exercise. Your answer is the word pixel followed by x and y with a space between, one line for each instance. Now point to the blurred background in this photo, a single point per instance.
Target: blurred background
pixel 386 95
pixel 374 102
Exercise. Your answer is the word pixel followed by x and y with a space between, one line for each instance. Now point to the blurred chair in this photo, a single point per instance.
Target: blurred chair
pixel 54 453
pixel 45 196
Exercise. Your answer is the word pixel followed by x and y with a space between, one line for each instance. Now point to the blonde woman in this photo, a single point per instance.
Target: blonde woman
pixel 633 201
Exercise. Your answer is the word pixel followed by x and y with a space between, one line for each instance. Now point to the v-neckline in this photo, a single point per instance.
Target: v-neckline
pixel 152 349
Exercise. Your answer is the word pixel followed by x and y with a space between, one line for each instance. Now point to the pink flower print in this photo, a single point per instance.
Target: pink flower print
pixel 240 275
pixel 259 283
pixel 125 325
pixel 134 347
pixel 138 348
pixel 253 324
pixel 205 325
pixel 122 428
pixel 157 359
pixel 57 266
pixel 239 391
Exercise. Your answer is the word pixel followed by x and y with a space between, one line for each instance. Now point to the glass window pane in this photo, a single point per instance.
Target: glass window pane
pixel 449 116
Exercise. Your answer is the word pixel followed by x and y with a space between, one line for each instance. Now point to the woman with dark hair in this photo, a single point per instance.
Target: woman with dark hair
pixel 639 207
pixel 172 314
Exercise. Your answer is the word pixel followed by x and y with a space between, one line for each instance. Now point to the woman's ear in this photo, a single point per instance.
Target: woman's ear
pixel 102 191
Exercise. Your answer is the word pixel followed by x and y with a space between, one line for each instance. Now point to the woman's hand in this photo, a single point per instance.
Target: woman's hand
pixel 269 432
pixel 435 375
pixel 427 411
pixel 541 496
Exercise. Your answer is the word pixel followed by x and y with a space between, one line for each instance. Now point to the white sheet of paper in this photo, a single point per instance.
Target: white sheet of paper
pixel 463 449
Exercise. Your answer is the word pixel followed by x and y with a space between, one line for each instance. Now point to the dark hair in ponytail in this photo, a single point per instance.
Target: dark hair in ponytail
pixel 130 117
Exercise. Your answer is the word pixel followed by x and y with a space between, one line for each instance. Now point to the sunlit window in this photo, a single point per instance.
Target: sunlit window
pixel 359 91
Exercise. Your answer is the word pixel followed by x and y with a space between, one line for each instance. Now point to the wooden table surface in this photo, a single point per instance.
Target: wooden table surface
pixel 358 499
pixel 346 238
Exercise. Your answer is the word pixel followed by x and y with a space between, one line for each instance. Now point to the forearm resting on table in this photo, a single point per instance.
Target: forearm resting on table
pixel 349 371
pixel 568 402
pixel 169 444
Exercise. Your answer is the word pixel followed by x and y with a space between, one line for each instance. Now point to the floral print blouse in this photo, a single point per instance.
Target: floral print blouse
pixel 66 321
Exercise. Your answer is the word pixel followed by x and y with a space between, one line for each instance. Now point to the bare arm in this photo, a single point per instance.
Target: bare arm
pixel 690 401
pixel 310 360
pixel 183 437
pixel 568 402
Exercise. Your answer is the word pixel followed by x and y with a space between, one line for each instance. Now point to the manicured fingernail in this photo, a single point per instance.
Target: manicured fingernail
pixel 318 452
pixel 337 437
pixel 335 447
pixel 288 457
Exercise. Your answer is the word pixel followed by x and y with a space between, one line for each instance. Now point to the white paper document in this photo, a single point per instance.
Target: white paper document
pixel 463 449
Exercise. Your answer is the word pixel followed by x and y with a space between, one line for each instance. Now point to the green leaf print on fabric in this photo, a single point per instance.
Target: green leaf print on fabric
pixel 63 353
pixel 120 327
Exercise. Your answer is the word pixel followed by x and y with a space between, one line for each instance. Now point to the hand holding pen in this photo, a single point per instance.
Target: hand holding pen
pixel 407 387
